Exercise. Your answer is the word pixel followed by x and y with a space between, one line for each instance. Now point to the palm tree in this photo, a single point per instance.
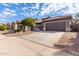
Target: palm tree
pixel 30 22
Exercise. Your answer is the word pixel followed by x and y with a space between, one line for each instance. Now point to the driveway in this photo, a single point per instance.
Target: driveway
pixel 34 44
pixel 44 38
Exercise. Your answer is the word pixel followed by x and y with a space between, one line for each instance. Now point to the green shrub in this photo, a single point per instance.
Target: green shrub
pixel 3 27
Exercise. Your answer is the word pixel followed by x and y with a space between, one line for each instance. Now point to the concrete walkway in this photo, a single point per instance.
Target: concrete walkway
pixel 17 46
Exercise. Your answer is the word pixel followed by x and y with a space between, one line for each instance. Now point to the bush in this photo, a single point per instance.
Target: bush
pixel 3 27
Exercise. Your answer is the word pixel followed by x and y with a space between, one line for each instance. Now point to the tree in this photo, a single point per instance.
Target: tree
pixel 29 22
pixel 76 17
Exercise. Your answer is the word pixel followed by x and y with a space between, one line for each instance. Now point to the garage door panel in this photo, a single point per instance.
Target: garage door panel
pixel 58 26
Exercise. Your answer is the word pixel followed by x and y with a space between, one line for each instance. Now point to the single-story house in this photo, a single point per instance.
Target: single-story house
pixel 58 23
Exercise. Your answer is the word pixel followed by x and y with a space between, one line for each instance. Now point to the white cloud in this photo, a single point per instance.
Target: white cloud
pixel 2 20
pixel 71 9
pixel 48 9
pixel 37 5
pixel 33 13
pixel 14 14
pixel 62 8
pixel 24 8
pixel 7 9
pixel 4 14
pixel 77 6
pixel 7 12
pixel 21 13
pixel 59 6
pixel 5 4
pixel 16 3
pixel 30 14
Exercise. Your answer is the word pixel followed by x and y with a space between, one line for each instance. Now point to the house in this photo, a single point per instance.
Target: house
pixel 58 23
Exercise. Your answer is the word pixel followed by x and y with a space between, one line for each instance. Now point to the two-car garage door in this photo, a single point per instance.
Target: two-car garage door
pixel 57 26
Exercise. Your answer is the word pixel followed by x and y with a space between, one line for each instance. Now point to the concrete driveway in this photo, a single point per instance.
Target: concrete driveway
pixel 35 44
pixel 48 38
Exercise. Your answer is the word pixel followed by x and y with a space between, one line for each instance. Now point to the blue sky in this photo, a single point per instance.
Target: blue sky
pixel 10 12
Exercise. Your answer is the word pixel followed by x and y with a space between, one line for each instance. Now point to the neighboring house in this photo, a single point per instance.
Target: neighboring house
pixel 58 23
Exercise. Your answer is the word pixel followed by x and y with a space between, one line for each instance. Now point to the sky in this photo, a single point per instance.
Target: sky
pixel 10 12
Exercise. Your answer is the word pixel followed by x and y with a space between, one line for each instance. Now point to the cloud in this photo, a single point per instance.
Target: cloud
pixel 30 14
pixel 5 4
pixel 7 12
pixel 16 3
pixel 59 8
pixel 72 9
pixel 47 9
pixel 38 9
pixel 3 20
pixel 37 5
pixel 24 8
